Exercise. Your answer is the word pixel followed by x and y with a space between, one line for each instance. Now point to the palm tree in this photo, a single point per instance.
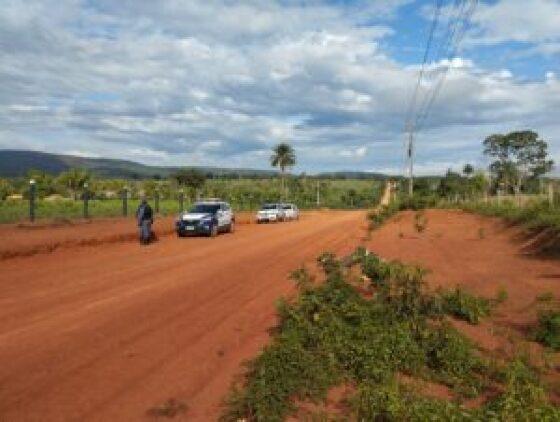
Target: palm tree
pixel 283 156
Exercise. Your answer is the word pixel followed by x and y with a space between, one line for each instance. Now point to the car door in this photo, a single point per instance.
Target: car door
pixel 225 215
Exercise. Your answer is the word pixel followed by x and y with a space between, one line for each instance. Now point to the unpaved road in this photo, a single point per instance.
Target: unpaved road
pixel 110 330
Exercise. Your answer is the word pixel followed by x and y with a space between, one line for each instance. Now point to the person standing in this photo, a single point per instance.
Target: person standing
pixel 145 218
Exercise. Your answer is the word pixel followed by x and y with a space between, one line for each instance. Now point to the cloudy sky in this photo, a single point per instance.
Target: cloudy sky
pixel 188 82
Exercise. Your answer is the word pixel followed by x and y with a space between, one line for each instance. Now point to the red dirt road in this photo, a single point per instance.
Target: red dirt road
pixel 108 331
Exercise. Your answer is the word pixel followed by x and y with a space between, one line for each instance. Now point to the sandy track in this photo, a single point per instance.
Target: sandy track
pixel 106 332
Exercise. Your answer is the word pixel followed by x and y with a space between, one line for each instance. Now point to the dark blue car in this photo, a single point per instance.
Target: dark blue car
pixel 206 218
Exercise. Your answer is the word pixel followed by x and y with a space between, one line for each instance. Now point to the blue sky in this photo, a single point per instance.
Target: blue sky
pixel 219 82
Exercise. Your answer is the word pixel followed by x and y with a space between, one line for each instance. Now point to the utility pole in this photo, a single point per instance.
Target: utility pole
pixel 318 194
pixel 410 159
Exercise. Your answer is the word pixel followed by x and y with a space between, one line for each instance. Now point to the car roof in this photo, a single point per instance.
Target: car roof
pixel 210 202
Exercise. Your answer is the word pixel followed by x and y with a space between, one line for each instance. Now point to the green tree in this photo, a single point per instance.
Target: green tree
pixel 517 157
pixel 453 184
pixel 468 170
pixel 74 180
pixel 283 156
pixel 5 189
pixel 44 182
pixel 192 179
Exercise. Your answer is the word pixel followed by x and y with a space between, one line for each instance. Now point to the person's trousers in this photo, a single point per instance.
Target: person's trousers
pixel 145 231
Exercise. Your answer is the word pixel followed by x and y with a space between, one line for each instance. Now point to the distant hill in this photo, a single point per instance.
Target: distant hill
pixel 16 163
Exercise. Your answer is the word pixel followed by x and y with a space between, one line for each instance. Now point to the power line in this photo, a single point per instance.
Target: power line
pixel 456 29
pixel 453 47
pixel 410 112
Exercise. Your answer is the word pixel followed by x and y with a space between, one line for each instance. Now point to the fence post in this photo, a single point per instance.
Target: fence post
pixel 550 194
pixel 181 201
pixel 125 201
pixel 32 194
pixel 86 201
pixel 156 201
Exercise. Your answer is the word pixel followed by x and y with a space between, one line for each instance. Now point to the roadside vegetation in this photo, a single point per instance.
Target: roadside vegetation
pixel 535 214
pixel 333 334
pixel 57 200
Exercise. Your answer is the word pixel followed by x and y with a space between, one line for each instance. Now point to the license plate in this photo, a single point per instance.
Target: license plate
pixel 190 228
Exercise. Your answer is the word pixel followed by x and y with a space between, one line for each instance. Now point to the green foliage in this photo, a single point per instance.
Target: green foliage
pixel 302 278
pixel 417 202
pixel 537 214
pixel 465 306
pixel 332 334
pixel 518 156
pixel 393 402
pixel 243 194
pixel 451 356
pixel 548 330
pixel 283 156
pixel 74 180
pixel 191 178
pixel 5 189
pixel 382 213
pixel 524 399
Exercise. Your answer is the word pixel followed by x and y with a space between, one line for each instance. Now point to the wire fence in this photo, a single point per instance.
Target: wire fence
pixel 31 207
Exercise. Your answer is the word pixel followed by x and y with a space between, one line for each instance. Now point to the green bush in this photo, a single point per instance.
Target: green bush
pixel 332 334
pixel 465 306
pixel 548 330
pixel 537 214
pixel 524 399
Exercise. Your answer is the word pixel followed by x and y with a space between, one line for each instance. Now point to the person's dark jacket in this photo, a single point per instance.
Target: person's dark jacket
pixel 144 213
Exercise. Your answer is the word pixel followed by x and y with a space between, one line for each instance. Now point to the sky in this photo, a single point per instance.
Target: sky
pixel 220 82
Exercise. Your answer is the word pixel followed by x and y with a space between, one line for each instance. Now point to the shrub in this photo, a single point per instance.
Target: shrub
pixel 548 329
pixel 524 399
pixel 465 306
pixel 420 221
pixel 332 334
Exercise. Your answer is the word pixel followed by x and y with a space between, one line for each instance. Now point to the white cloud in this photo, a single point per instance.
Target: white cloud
pixel 134 80
pixel 519 20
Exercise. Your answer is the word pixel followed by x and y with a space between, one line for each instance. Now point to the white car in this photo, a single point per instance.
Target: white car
pixel 207 218
pixel 270 213
pixel 291 212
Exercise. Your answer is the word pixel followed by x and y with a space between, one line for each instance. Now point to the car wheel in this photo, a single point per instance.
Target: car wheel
pixel 231 227
pixel 214 230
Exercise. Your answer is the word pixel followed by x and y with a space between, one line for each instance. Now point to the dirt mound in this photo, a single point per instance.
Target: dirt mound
pixel 484 256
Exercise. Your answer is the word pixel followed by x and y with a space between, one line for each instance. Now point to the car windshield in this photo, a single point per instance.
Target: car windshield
pixel 287 207
pixel 269 207
pixel 205 208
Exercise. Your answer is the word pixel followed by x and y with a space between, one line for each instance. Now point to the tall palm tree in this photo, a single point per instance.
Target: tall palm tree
pixel 283 156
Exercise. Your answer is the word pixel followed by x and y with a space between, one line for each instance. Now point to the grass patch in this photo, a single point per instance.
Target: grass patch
pixel 534 215
pixel 548 329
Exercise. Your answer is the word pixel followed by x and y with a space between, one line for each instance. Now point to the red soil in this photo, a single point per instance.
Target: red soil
pixel 482 255
pixel 113 331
